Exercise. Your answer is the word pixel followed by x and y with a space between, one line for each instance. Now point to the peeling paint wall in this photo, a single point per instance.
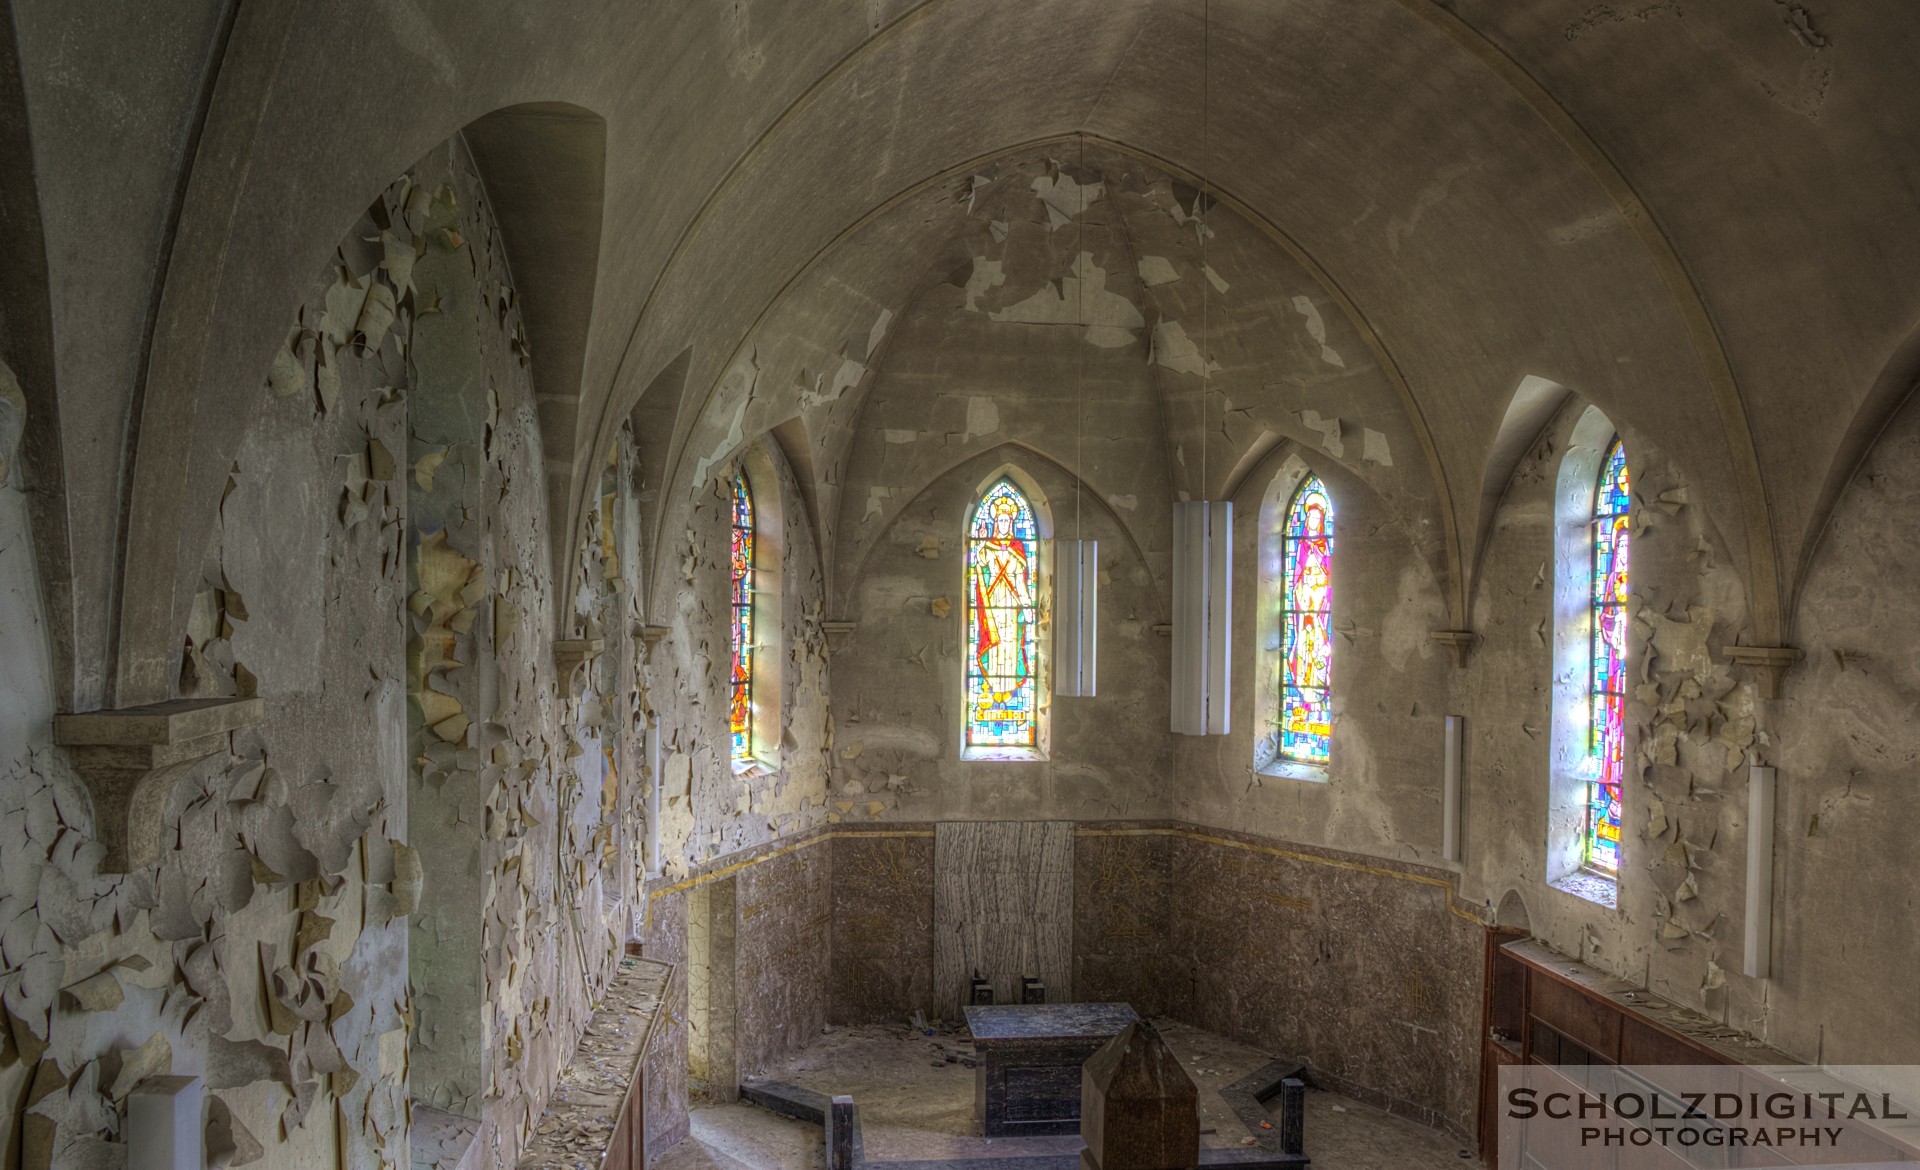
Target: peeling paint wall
pixel 1693 722
pixel 1380 792
pixel 380 550
pixel 737 1006
pixel 898 677
pixel 1846 745
pixel 709 808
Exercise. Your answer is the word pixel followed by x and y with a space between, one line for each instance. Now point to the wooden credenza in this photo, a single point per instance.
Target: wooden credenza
pixel 1547 1008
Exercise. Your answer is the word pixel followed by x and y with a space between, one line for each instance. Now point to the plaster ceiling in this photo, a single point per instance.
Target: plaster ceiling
pixel 1697 214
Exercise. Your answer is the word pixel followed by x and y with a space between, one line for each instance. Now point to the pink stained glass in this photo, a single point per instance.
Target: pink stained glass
pixel 1306 640
pixel 1607 720
pixel 1003 621
pixel 740 633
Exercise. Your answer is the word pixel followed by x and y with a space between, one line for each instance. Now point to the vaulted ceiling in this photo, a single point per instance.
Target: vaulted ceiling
pixel 1697 214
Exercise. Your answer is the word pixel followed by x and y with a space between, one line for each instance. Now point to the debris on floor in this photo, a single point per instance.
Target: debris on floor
pixel 580 1119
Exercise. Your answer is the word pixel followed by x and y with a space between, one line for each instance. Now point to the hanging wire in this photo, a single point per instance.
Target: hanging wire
pixel 1080 378
pixel 1201 206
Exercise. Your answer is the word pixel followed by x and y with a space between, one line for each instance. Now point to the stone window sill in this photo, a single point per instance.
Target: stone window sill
pixel 1590 887
pixel 1292 770
pixel 975 755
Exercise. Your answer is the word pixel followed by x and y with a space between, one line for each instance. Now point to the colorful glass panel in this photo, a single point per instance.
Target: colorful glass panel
pixel 1003 621
pixel 740 705
pixel 1607 687
pixel 1306 627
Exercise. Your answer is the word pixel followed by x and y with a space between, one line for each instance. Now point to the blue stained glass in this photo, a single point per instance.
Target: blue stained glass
pixel 1306 615
pixel 740 633
pixel 1607 697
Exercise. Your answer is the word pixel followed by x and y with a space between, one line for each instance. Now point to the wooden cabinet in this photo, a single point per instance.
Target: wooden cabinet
pixel 1546 1008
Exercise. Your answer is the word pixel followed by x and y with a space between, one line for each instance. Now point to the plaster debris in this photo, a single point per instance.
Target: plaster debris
pixel 1214 278
pixel 1401 227
pixel 1329 429
pixel 898 436
pixel 1065 199
pixel 986 274
pixel 1317 330
pixel 878 333
pixel 1080 298
pixel 1156 270
pixel 1581 229
pixel 97 993
pixel 983 416
pixel 845 377
pixel 1373 448
pixel 737 387
pixel 976 185
pixel 427 466
pixel 1172 349
pixel 1124 503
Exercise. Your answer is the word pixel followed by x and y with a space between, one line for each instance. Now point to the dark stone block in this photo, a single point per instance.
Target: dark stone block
pixel 1028 1081
pixel 1138 1108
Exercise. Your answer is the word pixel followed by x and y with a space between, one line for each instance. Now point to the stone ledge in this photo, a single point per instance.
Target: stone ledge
pixel 160 727
pixel 132 758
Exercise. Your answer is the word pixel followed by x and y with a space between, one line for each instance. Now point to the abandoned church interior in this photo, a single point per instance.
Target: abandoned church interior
pixel 1007 584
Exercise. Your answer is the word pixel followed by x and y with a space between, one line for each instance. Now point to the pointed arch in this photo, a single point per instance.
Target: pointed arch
pixel 1592 515
pixel 1006 603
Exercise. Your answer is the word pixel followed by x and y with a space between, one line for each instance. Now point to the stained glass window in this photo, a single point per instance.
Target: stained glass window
pixel 1606 683
pixel 740 707
pixel 1003 621
pixel 1306 626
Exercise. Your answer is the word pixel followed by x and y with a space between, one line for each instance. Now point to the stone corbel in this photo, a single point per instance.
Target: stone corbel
pixel 1163 629
pixel 1460 642
pixel 131 759
pixel 836 630
pixel 652 636
pixel 570 654
pixel 1768 663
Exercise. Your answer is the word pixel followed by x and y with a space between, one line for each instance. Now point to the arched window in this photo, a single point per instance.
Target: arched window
pixel 1003 622
pixel 1606 679
pixel 740 629
pixel 1306 626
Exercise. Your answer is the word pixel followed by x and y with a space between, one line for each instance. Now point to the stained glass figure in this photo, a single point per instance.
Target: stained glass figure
pixel 1306 620
pixel 740 706
pixel 1606 685
pixel 1003 621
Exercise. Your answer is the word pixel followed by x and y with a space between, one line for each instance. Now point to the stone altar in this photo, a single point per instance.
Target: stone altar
pixel 1028 1080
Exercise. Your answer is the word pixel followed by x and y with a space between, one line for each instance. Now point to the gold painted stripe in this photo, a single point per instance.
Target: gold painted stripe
pixel 1293 855
pixel 1191 834
pixel 748 863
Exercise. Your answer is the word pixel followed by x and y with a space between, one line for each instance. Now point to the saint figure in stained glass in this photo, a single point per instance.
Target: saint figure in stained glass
pixel 740 705
pixel 1607 720
pixel 1003 620
pixel 1306 621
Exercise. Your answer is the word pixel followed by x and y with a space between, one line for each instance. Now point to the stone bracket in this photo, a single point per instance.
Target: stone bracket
pixel 131 759
pixel 1768 663
pixel 1460 642
pixel 836 630
pixel 652 636
pixel 570 654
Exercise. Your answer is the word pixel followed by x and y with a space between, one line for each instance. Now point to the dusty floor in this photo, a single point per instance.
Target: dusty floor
pixel 916 1103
